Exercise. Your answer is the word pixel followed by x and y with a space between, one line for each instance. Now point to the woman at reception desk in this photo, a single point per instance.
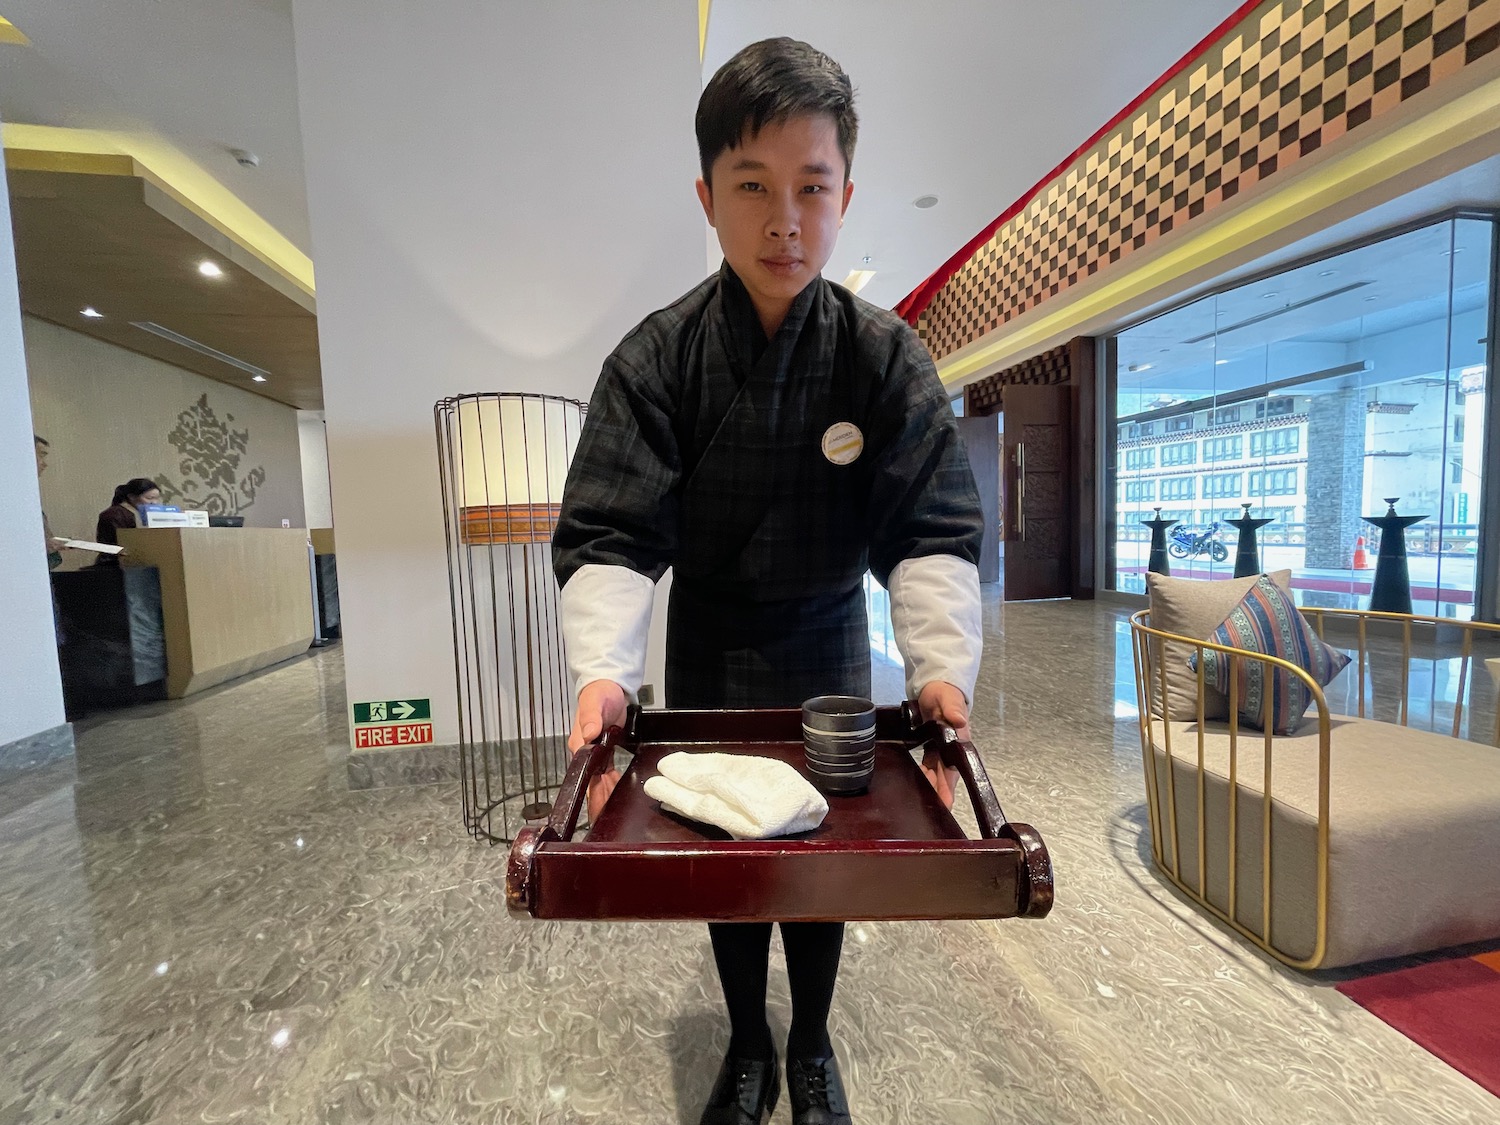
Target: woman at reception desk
pixel 122 513
pixel 233 600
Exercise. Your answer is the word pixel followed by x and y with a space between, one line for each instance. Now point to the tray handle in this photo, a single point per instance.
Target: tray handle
pixel 588 762
pixel 1036 889
pixel 585 765
pixel 961 755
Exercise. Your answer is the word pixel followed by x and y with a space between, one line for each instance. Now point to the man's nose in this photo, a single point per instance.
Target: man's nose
pixel 783 221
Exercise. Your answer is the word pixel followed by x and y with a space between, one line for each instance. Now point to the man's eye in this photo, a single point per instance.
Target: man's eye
pixel 751 185
pixel 814 189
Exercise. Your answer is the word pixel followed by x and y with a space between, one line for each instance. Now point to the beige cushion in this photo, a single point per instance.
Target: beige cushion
pixel 1192 607
pixel 1413 861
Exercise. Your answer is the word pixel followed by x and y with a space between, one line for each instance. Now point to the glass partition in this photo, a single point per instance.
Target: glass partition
pixel 1312 397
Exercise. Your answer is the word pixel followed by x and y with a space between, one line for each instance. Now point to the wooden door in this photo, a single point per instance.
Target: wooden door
pixel 982 442
pixel 1039 548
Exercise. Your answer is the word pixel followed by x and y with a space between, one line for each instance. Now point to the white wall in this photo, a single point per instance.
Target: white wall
pixel 28 658
pixel 113 414
pixel 498 193
pixel 317 503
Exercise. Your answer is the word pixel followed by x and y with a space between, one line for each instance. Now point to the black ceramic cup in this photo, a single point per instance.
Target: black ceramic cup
pixel 838 738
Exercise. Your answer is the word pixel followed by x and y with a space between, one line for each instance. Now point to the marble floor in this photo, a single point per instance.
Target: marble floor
pixel 210 927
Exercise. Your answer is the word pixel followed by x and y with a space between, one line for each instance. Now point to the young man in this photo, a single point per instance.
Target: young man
pixel 770 437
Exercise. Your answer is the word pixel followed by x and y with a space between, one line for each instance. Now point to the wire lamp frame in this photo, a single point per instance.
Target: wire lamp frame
pixel 504 460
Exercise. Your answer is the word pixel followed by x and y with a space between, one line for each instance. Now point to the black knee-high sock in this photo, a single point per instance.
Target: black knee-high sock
pixel 742 950
pixel 812 965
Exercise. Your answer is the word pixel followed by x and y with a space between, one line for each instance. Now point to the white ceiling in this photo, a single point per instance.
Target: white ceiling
pixel 969 100
pixel 203 76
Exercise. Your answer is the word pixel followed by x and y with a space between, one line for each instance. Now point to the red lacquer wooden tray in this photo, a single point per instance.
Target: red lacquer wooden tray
pixel 891 853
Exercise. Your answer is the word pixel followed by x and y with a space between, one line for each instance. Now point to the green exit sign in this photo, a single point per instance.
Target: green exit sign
pixel 393 711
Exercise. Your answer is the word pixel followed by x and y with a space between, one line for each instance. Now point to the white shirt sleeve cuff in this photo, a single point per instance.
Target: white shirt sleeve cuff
pixel 936 617
pixel 606 620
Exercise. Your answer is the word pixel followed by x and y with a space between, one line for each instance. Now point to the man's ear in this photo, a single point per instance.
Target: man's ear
pixel 706 198
pixel 848 194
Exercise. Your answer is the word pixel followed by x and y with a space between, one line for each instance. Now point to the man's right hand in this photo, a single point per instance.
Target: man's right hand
pixel 601 705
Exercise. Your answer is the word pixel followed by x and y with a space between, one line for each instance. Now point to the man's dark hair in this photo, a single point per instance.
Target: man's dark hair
pixel 766 84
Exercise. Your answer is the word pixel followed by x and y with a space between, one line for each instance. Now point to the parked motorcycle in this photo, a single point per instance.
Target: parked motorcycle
pixel 1185 544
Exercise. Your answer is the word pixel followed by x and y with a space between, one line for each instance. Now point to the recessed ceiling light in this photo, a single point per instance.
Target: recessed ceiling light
pixel 925 201
pixel 91 312
pixel 867 259
pixel 210 269
pixel 1372 297
pixel 1220 362
pixel 1268 296
pixel 1140 367
pixel 258 378
pixel 1327 273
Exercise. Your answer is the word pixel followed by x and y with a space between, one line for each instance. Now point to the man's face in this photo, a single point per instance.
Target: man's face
pixel 776 203
pixel 41 457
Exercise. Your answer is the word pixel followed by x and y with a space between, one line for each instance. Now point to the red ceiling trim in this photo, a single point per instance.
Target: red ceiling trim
pixel 915 303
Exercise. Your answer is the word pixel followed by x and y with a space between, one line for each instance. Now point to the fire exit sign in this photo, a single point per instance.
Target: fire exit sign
pixel 392 722
pixel 393 711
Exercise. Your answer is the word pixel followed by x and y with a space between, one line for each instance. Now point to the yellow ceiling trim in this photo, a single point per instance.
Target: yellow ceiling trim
pixel 10 33
pixel 84 163
pixel 703 7
pixel 46 148
pixel 1446 127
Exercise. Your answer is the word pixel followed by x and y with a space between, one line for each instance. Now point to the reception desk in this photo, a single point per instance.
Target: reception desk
pixel 233 599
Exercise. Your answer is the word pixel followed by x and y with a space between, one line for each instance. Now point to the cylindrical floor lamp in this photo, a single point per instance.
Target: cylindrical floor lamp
pixel 504 460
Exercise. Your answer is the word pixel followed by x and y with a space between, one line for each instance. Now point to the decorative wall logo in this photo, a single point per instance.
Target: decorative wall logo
pixel 210 464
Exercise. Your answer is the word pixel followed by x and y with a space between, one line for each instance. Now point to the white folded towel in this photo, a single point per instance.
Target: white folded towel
pixel 750 798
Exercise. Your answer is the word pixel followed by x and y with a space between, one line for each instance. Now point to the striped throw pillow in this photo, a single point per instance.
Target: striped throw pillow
pixel 1267 621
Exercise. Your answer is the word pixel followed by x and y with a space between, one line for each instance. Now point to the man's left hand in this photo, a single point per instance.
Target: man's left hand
pixel 945 703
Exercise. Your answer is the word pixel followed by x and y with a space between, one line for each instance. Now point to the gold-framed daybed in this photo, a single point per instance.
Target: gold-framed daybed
pixel 1380 838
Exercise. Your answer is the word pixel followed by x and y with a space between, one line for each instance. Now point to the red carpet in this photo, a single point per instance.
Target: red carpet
pixel 1450 1007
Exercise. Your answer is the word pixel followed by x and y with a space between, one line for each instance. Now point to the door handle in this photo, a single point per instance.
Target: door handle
pixel 1021 490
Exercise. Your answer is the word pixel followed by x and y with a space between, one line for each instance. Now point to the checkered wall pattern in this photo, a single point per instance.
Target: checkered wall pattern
pixel 987 396
pixel 1293 76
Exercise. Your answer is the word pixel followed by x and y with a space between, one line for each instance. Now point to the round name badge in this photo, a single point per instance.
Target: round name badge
pixel 843 443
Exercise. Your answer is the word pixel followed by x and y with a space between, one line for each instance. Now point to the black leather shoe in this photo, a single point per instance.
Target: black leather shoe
pixel 817 1092
pixel 745 1092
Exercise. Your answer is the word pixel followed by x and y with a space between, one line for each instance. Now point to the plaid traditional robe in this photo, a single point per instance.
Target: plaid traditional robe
pixel 703 451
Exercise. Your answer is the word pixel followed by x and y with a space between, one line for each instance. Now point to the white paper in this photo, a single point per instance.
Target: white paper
pixel 85 545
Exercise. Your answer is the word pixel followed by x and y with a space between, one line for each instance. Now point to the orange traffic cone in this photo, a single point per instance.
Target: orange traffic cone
pixel 1361 556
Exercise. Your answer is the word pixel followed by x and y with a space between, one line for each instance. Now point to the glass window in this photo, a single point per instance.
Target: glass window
pixel 1218 486
pixel 1348 379
pixel 1183 453
pixel 1224 449
pixel 1276 443
pixel 1137 490
pixel 1140 459
pixel 1276 482
pixel 1274 407
pixel 1178 488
